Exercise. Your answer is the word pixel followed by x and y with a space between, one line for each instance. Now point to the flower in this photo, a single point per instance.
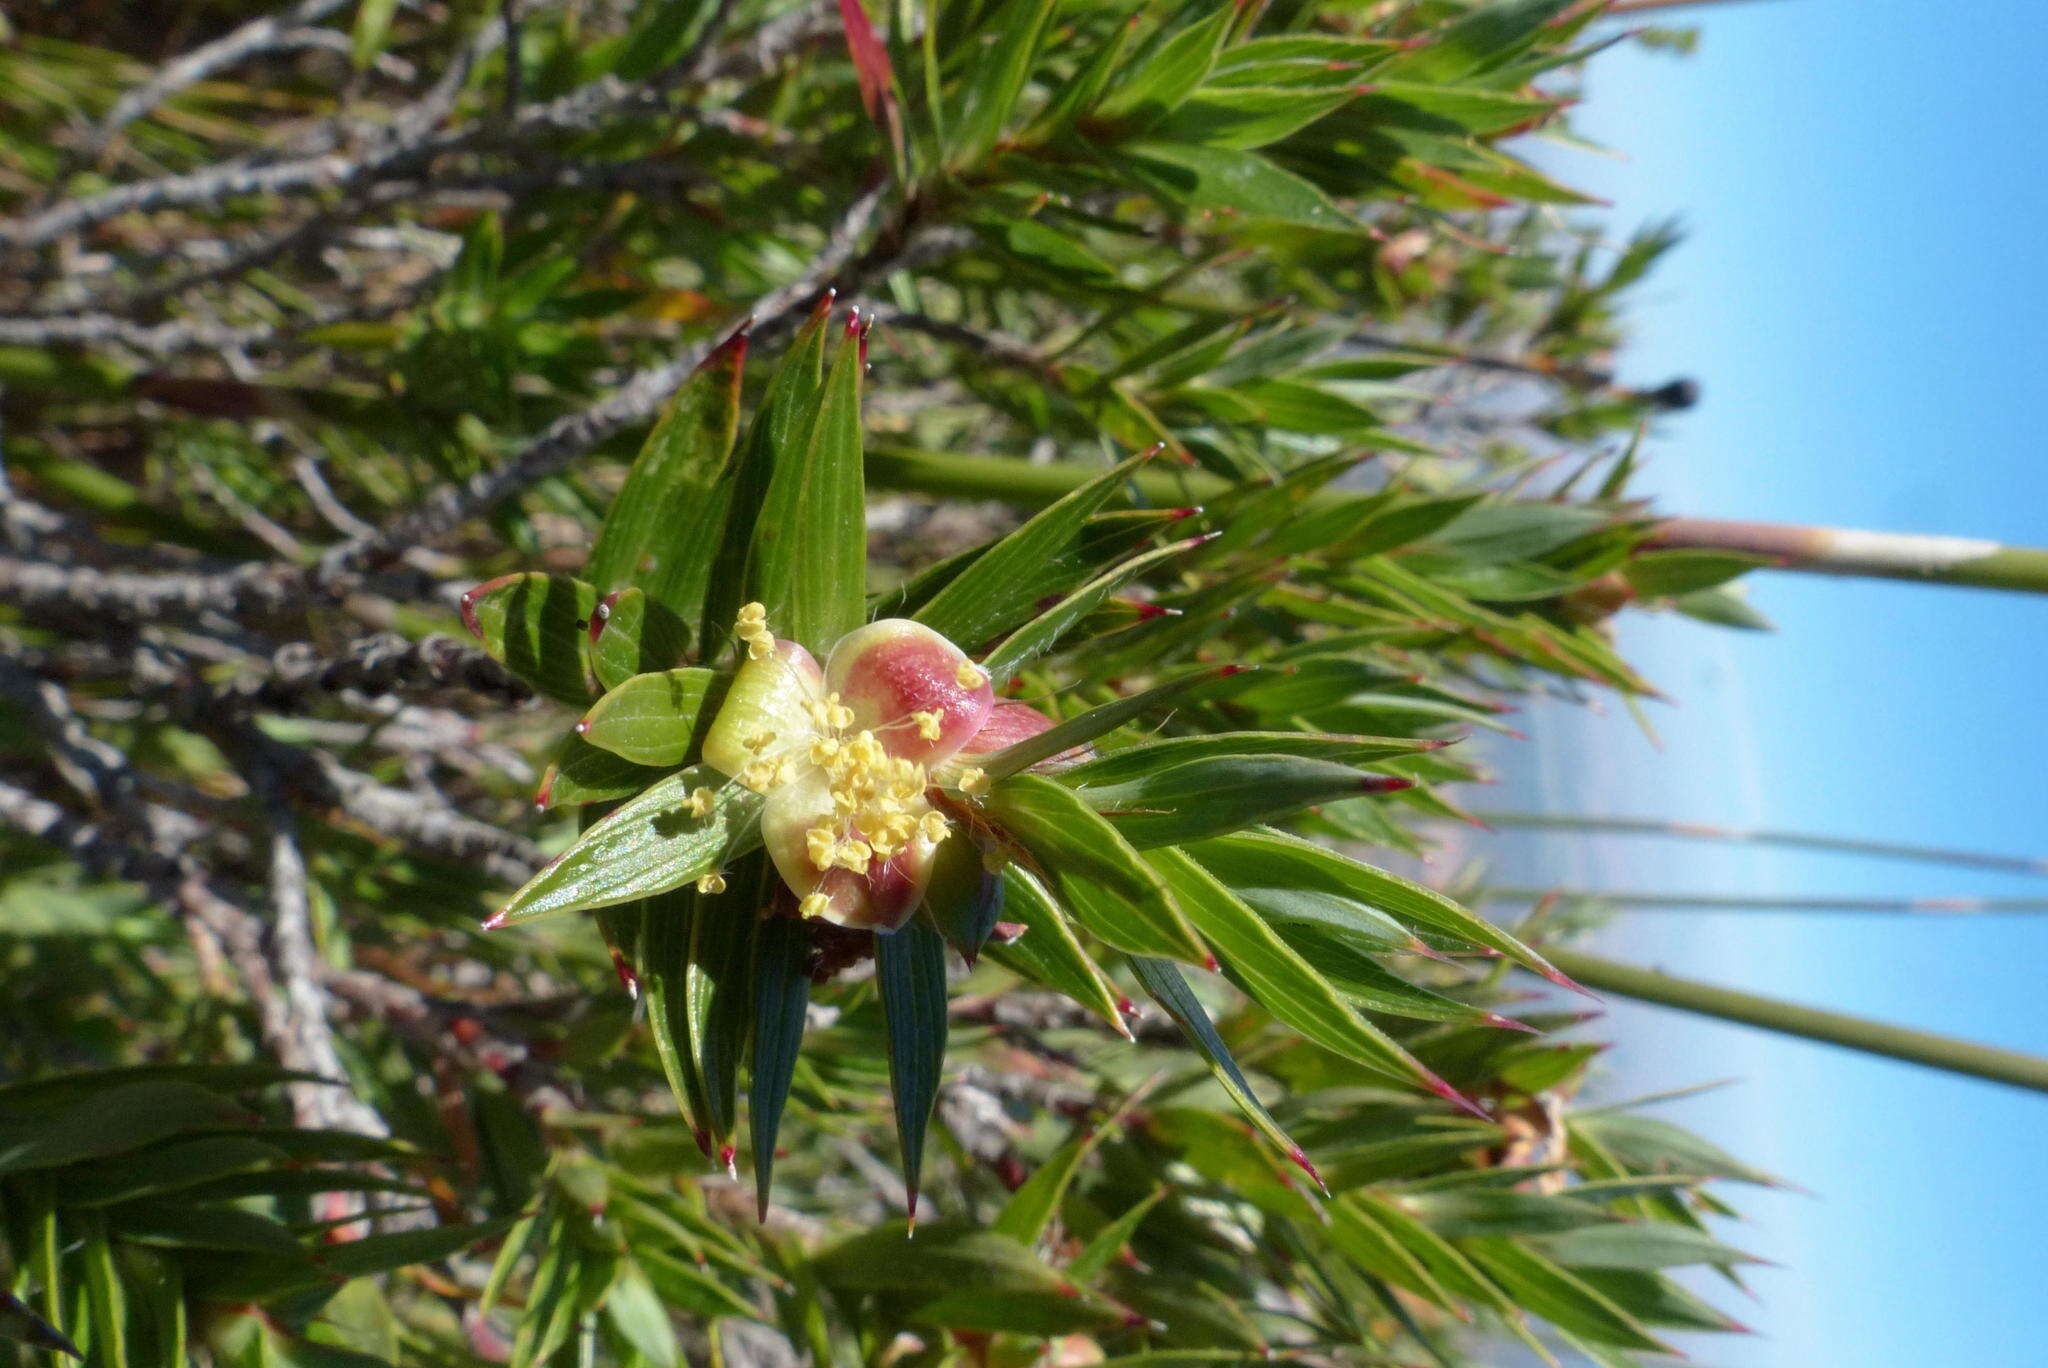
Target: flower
pixel 846 756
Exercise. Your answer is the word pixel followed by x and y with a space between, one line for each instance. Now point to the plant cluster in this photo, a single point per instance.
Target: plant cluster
pixel 832 777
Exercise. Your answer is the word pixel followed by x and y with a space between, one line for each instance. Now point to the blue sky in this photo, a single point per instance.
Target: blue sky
pixel 1860 295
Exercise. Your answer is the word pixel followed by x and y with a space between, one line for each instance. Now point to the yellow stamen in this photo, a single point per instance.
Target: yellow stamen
pixel 814 905
pixel 974 782
pixel 934 827
pixel 927 724
pixel 854 855
pixel 701 801
pixel 713 882
pixel 970 675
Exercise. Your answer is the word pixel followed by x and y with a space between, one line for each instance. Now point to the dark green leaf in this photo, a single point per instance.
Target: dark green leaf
pixel 782 991
pixel 1165 985
pixel 809 559
pixel 662 532
pixel 910 970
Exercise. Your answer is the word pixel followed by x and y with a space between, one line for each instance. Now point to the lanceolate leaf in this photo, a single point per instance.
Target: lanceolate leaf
pixel 653 719
pixel 1112 1239
pixel 1004 52
pixel 1313 867
pixel 536 625
pixel 1043 632
pixel 1134 763
pixel 778 427
pixel 1280 980
pixel 1163 982
pixel 1231 180
pixel 1003 585
pixel 718 991
pixel 1031 1208
pixel 1050 954
pixel 910 970
pixel 809 562
pixel 666 924
pixel 647 846
pixel 662 532
pixel 1100 879
pixel 782 992
pixel 1223 793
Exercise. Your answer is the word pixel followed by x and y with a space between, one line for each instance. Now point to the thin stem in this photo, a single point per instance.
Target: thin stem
pixel 1746 902
pixel 1797 840
pixel 1809 1023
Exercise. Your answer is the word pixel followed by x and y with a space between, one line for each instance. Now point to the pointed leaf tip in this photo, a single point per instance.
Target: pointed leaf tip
pixel 1385 783
pixel 1302 1162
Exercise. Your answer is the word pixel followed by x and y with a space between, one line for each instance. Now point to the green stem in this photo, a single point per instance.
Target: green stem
pixel 1809 1023
pixel 1797 840
pixel 1035 485
pixel 1749 902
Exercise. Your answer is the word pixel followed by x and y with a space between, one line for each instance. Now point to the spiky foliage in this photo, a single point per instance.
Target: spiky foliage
pixel 1261 318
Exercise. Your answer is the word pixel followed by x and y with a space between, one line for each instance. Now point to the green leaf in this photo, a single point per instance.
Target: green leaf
pixel 1220 794
pixel 1156 84
pixel 964 1278
pixel 204 1227
pixel 1044 631
pixel 809 562
pixel 1113 893
pixel 779 425
pixel 662 532
pixel 1367 983
pixel 1724 607
pixel 1228 180
pixel 1050 954
pixel 1281 981
pixel 1657 1244
pixel 665 924
pixel 535 625
pixel 631 634
pixel 1100 721
pixel 649 845
pixel 782 992
pixel 910 971
pixel 1004 585
pixel 1165 985
pixel 115 1121
pixel 581 773
pixel 106 1301
pixel 1250 117
pixel 1029 1213
pixel 634 1309
pixel 1135 763
pixel 964 899
pixel 1111 1241
pixel 1005 50
pixel 653 719
pixel 1647 1145
pixel 1670 574
pixel 718 990
pixel 1312 867
pixel 1466 1214
pixel 1559 1296
pixel 168 1168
